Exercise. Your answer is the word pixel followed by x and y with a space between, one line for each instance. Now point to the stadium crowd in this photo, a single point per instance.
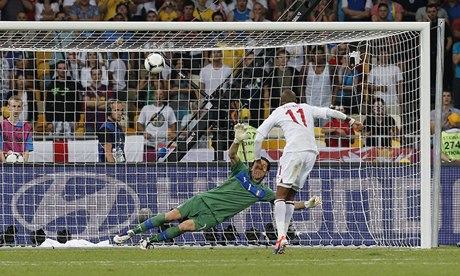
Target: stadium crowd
pixel 77 93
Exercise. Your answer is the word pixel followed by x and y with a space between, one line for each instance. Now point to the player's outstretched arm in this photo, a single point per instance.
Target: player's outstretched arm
pixel 240 136
pixel 311 203
pixel 332 113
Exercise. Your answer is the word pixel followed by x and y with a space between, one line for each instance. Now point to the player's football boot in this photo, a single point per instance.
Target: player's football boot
pixel 145 244
pixel 280 245
pixel 123 238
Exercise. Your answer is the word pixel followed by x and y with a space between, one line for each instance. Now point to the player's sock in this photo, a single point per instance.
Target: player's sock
pixel 288 217
pixel 280 214
pixel 152 222
pixel 168 234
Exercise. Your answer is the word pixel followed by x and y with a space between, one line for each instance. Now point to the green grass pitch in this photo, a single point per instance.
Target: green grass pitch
pixel 230 261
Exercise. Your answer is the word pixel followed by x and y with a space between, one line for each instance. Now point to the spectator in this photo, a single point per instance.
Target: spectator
pixel 108 8
pixel 168 11
pixel 157 123
pixel 357 10
pixel 144 6
pixel 349 79
pixel 187 11
pixel 215 73
pixel 385 81
pixel 452 8
pixel 297 62
pixel 21 16
pixel 95 98
pixel 382 13
pixel 249 84
pixel 46 9
pixel 411 7
pixel 67 4
pixel 218 17
pixel 5 77
pixel 338 132
pixel 319 79
pixel 123 9
pixel 387 11
pixel 456 81
pixel 282 78
pixel 337 54
pixel 222 6
pixel 456 30
pixel 10 9
pixel 146 87
pixel 91 60
pixel 29 105
pixel 258 13
pixel 117 17
pixel 16 135
pixel 83 11
pixel 61 102
pixel 22 66
pixel 189 121
pixel 152 15
pixel 432 14
pixel 117 75
pixel 325 11
pixel 203 12
pixel 422 13
pixel 73 67
pixel 180 92
pixel 446 111
pixel 240 13
pixel 379 128
pixel 111 135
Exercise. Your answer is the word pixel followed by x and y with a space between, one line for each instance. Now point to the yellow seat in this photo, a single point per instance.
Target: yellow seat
pixel 358 141
pixel 273 144
pixel 320 137
pixel 80 125
pixel 395 143
pixel 40 123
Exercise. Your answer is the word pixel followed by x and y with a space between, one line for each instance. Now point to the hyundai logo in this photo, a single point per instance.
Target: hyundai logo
pixel 108 204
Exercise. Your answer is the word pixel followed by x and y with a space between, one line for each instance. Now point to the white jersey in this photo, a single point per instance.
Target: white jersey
pixel 297 123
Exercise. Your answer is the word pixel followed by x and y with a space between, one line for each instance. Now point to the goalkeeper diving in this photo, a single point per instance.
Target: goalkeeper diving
pixel 203 211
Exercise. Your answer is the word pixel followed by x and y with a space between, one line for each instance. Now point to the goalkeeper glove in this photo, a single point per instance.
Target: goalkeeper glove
pixel 312 202
pixel 240 133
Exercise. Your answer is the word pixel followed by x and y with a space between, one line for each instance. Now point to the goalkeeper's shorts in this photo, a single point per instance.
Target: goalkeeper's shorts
pixel 195 209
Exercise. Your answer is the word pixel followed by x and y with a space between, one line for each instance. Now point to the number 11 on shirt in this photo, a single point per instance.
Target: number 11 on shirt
pixel 293 116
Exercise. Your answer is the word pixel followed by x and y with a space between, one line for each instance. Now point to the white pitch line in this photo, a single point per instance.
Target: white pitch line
pixel 224 262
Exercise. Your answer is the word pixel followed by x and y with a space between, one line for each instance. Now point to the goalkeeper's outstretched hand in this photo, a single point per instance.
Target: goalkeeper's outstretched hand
pixel 313 202
pixel 240 133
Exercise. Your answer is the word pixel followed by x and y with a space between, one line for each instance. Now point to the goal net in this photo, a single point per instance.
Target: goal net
pixel 85 177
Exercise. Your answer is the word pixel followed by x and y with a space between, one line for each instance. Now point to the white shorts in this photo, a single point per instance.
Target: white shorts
pixel 294 168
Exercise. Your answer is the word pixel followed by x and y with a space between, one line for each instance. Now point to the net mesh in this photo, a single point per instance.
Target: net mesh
pixel 178 123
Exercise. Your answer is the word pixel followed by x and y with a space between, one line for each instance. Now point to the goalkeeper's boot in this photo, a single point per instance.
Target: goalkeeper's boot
pixel 145 244
pixel 123 238
pixel 280 245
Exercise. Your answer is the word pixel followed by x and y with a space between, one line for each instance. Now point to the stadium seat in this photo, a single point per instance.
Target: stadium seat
pixel 320 137
pixel 40 124
pixel 80 125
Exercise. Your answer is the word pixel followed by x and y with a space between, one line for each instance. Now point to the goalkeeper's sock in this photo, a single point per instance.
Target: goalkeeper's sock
pixel 280 214
pixel 152 222
pixel 168 234
pixel 288 216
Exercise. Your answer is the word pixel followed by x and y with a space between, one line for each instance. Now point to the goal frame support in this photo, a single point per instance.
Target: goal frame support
pixel 426 219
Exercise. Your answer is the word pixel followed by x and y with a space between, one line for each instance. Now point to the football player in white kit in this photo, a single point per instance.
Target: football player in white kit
pixel 299 154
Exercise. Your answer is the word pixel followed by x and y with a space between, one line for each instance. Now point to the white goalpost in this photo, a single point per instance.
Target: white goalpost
pixel 376 185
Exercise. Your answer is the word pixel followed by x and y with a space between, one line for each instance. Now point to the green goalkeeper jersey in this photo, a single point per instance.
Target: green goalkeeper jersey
pixel 231 197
